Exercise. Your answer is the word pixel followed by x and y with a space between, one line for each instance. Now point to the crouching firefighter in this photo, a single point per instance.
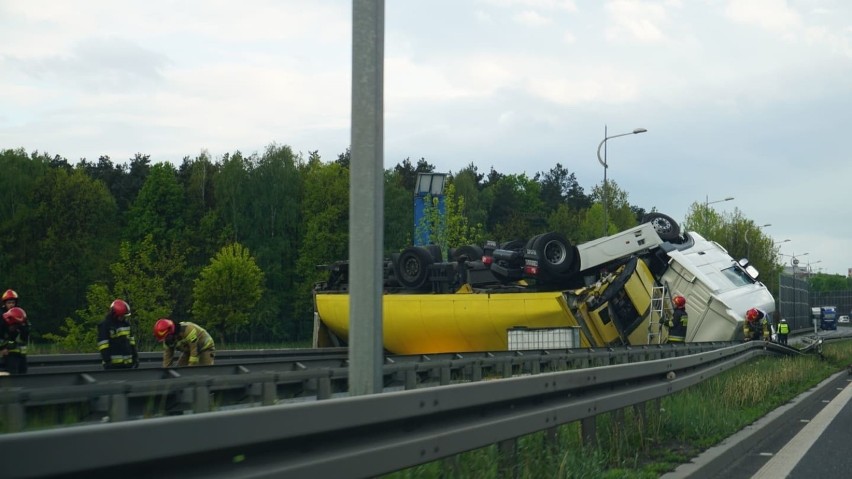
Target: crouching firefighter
pixel 756 325
pixel 194 343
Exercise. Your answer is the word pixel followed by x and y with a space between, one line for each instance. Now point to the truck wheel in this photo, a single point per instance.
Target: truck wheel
pixel 514 245
pixel 664 225
pixel 617 284
pixel 555 253
pixel 473 253
pixel 435 251
pixel 413 267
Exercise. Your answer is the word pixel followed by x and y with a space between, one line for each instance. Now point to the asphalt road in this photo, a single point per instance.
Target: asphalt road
pixel 803 439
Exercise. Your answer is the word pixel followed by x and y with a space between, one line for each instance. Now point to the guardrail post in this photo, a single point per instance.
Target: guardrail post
pixel 324 388
pixel 444 375
pixel 588 431
pixel 201 401
pixel 476 371
pixel 410 379
pixel 268 393
pixel 507 459
pixel 15 417
pixel 450 466
pixel 551 437
pixel 618 417
pixel 118 408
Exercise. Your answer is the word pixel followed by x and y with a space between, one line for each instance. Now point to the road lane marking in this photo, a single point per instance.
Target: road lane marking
pixel 793 451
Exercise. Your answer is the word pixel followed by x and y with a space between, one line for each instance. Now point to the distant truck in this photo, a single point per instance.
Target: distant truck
pixel 828 317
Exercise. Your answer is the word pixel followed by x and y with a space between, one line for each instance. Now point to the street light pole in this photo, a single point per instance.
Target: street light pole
pixel 809 267
pixel 605 165
pixel 707 204
pixel 748 245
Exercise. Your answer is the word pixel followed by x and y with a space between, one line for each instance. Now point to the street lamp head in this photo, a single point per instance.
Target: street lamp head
pixel 639 130
pixel 766 225
pixel 707 201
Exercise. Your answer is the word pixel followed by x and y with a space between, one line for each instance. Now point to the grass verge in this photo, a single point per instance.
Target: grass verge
pixel 630 446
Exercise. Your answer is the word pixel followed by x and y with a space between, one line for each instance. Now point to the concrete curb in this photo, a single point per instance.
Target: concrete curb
pixel 711 462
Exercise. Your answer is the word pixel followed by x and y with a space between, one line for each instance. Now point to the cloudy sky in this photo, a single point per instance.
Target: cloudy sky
pixel 750 99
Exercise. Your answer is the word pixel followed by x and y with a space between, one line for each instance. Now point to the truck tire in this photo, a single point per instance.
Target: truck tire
pixel 514 245
pixel 664 225
pixel 435 251
pixel 472 252
pixel 412 267
pixel 616 285
pixel 555 253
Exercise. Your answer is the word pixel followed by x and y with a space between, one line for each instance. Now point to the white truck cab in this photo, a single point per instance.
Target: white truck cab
pixel 718 290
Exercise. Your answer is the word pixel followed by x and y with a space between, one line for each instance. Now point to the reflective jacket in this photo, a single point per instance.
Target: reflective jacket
pixel 115 343
pixel 14 338
pixel 677 326
pixel 783 328
pixel 753 329
pixel 192 339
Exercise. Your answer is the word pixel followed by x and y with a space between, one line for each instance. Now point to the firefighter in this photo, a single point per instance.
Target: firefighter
pixel 14 335
pixel 783 331
pixel 115 341
pixel 194 343
pixel 678 321
pixel 756 325
pixel 9 299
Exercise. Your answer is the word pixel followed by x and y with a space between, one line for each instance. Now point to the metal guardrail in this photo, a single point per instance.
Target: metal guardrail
pixel 86 362
pixel 362 436
pixel 120 395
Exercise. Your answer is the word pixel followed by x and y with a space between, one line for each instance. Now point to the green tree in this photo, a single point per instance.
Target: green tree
pixel 516 209
pixel 232 195
pixel 274 211
pixel 468 185
pixel 399 213
pixel 325 208
pixel 18 231
pixel 566 220
pixel 828 282
pixel 158 210
pixel 74 229
pixel 620 214
pixel 81 335
pixel 227 291
pixel 143 276
pixel 450 229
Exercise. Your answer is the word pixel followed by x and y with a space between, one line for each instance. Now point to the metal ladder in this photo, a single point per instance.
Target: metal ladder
pixel 658 314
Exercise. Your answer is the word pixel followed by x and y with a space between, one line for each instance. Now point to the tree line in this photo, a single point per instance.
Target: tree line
pixel 233 243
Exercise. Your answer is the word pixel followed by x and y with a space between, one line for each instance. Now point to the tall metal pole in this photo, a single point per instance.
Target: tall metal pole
pixel 603 162
pixel 605 193
pixel 366 198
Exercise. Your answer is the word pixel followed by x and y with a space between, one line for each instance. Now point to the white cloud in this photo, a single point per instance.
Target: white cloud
pixel 565 5
pixel 636 20
pixel 531 18
pixel 772 15
pixel 748 97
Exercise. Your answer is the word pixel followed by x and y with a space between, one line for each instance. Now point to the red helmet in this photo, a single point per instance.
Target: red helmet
pixel 9 294
pixel 679 301
pixel 119 308
pixel 752 314
pixel 163 328
pixel 15 316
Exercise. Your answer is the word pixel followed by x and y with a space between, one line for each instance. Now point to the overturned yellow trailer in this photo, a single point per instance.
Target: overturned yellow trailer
pixel 623 302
